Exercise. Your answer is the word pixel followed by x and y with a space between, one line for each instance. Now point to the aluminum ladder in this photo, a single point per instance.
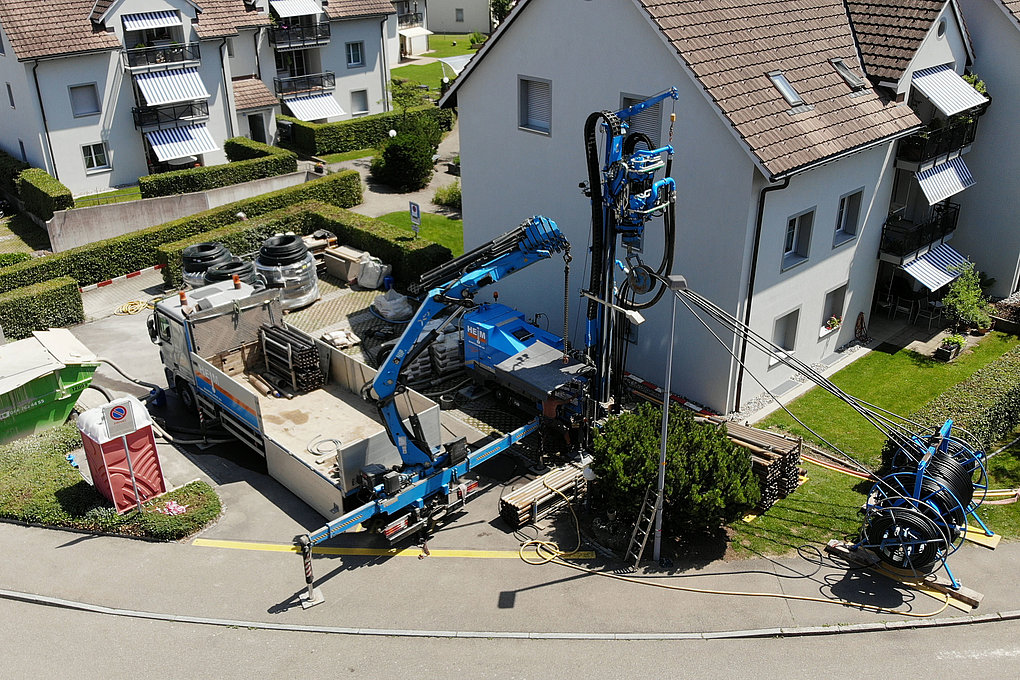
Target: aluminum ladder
pixel 643 527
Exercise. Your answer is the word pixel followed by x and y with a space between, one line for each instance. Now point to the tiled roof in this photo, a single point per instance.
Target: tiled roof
pixel 221 18
pixel 100 9
pixel 252 93
pixel 352 9
pixel 731 46
pixel 1013 7
pixel 890 32
pixel 42 29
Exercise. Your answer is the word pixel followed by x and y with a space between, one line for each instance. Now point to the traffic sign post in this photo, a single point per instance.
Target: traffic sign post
pixel 120 422
pixel 415 217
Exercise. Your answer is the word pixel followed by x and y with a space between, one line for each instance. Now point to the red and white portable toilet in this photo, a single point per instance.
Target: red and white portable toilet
pixel 121 451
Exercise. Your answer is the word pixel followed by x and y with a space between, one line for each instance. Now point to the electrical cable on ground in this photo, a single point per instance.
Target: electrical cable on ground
pixel 549 552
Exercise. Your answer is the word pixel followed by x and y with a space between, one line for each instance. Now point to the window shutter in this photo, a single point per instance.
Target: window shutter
pixel 648 122
pixel 539 96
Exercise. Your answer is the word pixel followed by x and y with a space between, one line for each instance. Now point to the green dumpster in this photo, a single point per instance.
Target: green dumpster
pixel 40 380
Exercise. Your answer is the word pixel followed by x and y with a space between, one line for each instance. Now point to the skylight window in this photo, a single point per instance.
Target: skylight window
pixel 786 89
pixel 855 82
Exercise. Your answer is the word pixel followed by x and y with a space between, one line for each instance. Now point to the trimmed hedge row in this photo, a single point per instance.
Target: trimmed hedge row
pixel 10 168
pixel 249 160
pixel 987 404
pixel 124 254
pixel 409 256
pixel 360 133
pixel 51 304
pixel 7 259
pixel 43 194
pixel 240 237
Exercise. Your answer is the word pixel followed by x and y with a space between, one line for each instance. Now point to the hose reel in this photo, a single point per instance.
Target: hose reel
pixel 916 516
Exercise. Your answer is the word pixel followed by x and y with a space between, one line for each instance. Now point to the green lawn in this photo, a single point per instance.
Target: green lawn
pixel 826 506
pixel 442 45
pixel 18 234
pixel 348 155
pixel 439 228
pixel 131 193
pixel 426 74
pixel 900 382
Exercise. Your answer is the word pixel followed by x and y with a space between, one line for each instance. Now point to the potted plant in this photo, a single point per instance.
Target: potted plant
pixel 964 302
pixel 833 322
pixel 950 347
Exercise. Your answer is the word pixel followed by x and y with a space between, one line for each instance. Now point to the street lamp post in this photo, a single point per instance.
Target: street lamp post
pixel 675 282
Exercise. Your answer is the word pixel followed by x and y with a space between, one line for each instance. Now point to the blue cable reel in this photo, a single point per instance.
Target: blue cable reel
pixel 916 516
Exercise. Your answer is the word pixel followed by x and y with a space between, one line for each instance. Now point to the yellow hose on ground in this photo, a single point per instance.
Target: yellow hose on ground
pixel 134 307
pixel 549 551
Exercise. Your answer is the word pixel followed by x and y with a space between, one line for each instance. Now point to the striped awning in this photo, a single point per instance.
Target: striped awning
pixel 937 267
pixel 944 88
pixel 314 107
pixel 941 181
pixel 145 20
pixel 169 87
pixel 295 8
pixel 190 140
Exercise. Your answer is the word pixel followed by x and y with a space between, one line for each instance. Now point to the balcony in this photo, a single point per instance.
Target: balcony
pixel 308 83
pixel 162 54
pixel 942 142
pixel 901 237
pixel 409 20
pixel 300 36
pixel 158 116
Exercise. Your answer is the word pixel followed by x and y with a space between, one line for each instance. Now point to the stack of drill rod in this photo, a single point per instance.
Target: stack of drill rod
pixel 775 459
pixel 292 360
pixel 542 495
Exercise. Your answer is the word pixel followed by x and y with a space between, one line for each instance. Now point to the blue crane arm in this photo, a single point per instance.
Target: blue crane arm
pixel 536 239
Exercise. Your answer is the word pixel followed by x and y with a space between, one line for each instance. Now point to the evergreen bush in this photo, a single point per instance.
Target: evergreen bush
pixel 249 160
pixel 364 132
pixel 10 168
pixel 405 163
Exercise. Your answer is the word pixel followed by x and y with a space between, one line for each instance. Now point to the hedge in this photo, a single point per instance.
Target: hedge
pixel 10 168
pixel 987 405
pixel 249 160
pixel 50 304
pixel 360 133
pixel 7 259
pixel 409 256
pixel 42 194
pixel 124 254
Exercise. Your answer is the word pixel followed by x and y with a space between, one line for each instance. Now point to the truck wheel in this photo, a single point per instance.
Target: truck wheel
pixel 170 378
pixel 187 396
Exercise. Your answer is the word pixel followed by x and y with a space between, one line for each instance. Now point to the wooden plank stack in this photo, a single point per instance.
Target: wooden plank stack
pixel 775 459
pixel 539 497
pixel 240 360
pixel 292 360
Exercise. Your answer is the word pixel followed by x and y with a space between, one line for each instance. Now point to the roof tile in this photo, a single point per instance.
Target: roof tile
pixel 891 31
pixel 43 29
pixel 252 93
pixel 352 9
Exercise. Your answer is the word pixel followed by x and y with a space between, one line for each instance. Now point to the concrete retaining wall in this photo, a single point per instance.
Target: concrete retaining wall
pixel 79 226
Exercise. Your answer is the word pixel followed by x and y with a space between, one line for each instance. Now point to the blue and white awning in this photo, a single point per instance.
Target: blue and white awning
pixel 147 20
pixel 944 88
pixel 296 8
pixel 314 107
pixel 190 140
pixel 939 182
pixel 169 87
pixel 937 267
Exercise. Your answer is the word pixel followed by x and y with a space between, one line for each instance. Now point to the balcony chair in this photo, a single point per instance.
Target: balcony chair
pixel 930 310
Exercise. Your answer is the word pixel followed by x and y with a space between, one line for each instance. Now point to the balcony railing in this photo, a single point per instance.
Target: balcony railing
pixel 409 20
pixel 150 116
pixel 164 54
pixel 902 237
pixel 299 36
pixel 932 143
pixel 308 83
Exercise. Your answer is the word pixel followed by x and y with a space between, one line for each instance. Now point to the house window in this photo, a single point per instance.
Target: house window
pixel 10 95
pixel 2 53
pixel 833 309
pixel 647 122
pixel 84 100
pixel 458 15
pixel 797 239
pixel 24 156
pixel 784 333
pixel 95 157
pixel 354 54
pixel 359 102
pixel 847 217
pixel 535 106
pixel 230 47
pixel 855 82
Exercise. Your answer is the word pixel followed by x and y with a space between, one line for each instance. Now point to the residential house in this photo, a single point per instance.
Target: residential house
pixel 989 210
pixel 459 16
pixel 101 92
pixel 412 35
pixel 784 167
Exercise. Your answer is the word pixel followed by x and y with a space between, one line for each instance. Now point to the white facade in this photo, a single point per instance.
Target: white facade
pixel 989 210
pixel 527 172
pixel 459 16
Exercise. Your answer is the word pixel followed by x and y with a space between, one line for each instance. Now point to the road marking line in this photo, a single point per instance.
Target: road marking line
pixel 377 552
